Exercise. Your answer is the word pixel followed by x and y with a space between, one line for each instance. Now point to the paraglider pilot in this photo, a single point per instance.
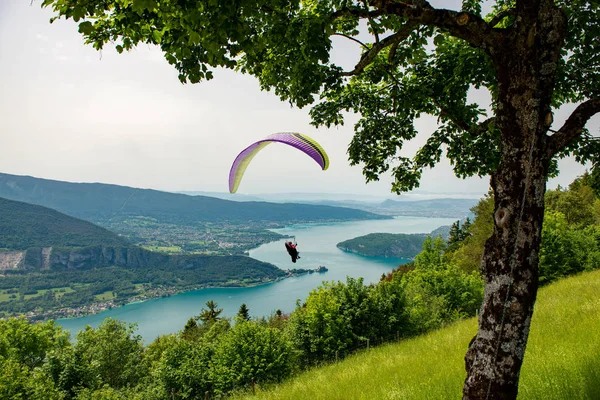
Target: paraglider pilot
pixel 292 251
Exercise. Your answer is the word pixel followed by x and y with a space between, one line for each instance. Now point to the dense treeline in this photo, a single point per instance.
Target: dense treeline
pixel 219 356
pixel 25 225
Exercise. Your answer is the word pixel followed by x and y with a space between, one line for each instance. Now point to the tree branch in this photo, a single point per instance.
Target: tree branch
pixel 355 12
pixel 368 56
pixel 483 126
pixel 503 14
pixel 474 130
pixel 372 23
pixel 353 39
pixel 466 26
pixel 573 126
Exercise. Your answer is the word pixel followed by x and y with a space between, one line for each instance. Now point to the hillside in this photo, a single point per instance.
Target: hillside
pixel 51 261
pixel 429 208
pixel 443 208
pixel 24 225
pixel 385 245
pixel 58 282
pixel 76 282
pixel 98 202
pixel 562 360
pixel 399 245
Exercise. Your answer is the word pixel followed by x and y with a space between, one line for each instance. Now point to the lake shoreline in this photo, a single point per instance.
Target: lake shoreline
pixel 318 247
pixel 69 313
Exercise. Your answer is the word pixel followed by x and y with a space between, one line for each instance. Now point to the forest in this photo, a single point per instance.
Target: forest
pixel 24 225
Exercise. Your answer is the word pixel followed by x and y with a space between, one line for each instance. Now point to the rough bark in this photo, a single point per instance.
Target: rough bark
pixel 526 65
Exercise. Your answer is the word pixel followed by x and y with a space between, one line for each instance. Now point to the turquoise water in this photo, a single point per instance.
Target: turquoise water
pixel 316 243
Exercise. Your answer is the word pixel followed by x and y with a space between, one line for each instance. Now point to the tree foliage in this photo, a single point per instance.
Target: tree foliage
pixel 399 77
pixel 210 314
pixel 244 312
pixel 467 255
pixel 250 352
pixel 184 369
pixel 570 241
pixel 112 352
pixel 25 351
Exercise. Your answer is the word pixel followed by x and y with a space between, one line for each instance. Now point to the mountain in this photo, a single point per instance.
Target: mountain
pixel 24 225
pixel 431 208
pixel 225 196
pixel 397 245
pixel 97 202
pixel 441 207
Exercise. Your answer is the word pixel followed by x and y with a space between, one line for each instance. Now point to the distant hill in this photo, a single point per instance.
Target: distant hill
pixel 429 208
pixel 24 225
pixel 97 202
pixel 443 207
pixel 395 245
pixel 443 231
pixel 385 245
pixel 225 196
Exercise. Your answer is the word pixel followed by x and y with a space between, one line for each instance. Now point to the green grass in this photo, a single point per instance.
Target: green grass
pixel 108 295
pixel 4 296
pixel 164 249
pixel 562 360
pixel 59 292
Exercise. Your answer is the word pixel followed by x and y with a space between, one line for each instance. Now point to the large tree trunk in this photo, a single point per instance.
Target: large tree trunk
pixel 526 67
pixel 510 271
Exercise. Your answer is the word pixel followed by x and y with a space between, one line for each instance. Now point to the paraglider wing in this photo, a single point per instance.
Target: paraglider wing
pixel 302 142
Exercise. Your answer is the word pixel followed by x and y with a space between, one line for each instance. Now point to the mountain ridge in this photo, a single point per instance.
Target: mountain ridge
pixel 24 225
pixel 98 201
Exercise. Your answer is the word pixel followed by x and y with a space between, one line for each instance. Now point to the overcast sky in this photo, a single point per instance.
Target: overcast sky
pixel 68 112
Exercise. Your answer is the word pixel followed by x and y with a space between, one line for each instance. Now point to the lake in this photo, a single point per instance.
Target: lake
pixel 317 246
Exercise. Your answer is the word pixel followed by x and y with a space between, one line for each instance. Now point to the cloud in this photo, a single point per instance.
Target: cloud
pixel 68 112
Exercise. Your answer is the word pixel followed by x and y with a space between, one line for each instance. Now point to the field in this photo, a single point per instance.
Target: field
pixel 5 294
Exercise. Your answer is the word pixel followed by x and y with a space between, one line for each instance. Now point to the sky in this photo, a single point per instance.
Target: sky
pixel 68 112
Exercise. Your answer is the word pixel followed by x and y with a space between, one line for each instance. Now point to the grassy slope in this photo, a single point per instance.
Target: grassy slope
pixel 562 359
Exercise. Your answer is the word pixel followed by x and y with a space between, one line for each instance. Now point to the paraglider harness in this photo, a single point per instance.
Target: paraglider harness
pixel 292 251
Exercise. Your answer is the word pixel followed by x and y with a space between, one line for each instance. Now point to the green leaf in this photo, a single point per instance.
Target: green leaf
pixel 157 36
pixel 194 38
pixel 78 13
pixel 86 28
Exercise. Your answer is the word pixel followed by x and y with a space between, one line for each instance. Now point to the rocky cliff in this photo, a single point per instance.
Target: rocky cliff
pixel 131 257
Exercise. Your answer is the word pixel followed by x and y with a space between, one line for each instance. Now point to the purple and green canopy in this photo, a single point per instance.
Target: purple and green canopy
pixel 302 142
